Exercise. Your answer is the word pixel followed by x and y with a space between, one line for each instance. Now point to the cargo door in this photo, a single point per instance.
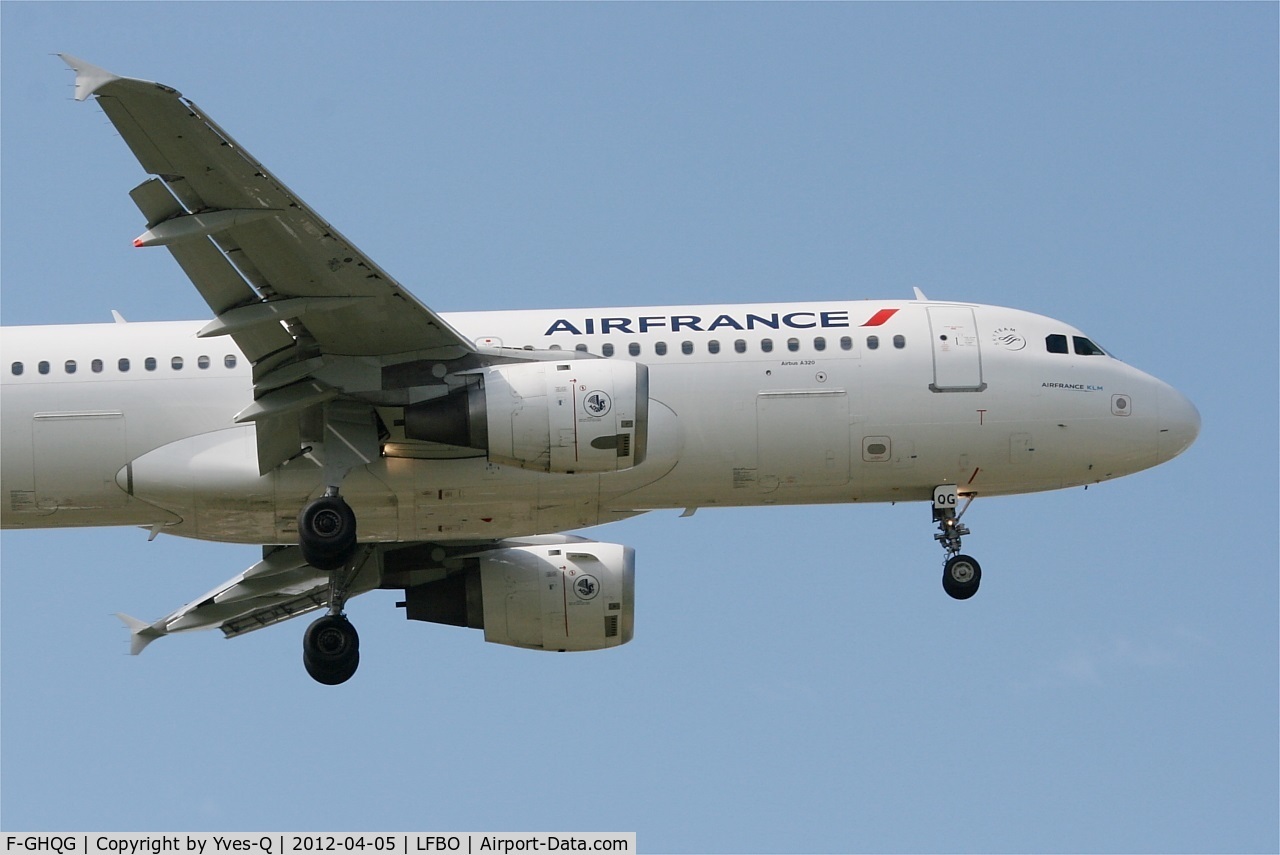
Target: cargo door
pixel 77 456
pixel 803 438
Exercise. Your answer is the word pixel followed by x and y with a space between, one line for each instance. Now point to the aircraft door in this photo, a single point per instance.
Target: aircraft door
pixel 957 356
pixel 803 438
pixel 77 456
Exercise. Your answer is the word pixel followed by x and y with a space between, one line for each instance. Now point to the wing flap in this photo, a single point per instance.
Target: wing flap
pixel 215 278
pixel 278 587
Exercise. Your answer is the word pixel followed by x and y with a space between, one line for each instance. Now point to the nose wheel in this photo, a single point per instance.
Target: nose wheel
pixel 961 574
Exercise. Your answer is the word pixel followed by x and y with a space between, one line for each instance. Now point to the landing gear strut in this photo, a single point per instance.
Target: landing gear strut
pixel 327 538
pixel 961 574
pixel 331 645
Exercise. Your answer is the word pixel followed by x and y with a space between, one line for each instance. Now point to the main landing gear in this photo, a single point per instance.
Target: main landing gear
pixel 327 537
pixel 961 574
pixel 327 532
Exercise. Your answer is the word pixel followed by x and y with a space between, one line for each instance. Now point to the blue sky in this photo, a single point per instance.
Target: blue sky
pixel 798 681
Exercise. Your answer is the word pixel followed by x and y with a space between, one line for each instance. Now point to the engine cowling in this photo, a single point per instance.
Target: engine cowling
pixel 586 415
pixel 572 596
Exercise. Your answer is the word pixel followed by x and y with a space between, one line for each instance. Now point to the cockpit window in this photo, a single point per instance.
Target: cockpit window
pixel 1056 343
pixel 1084 347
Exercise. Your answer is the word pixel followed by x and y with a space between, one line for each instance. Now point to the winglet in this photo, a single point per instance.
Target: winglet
pixel 920 295
pixel 141 633
pixel 89 78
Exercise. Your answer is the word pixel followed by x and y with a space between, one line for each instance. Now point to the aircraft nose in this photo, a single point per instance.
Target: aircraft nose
pixel 1179 423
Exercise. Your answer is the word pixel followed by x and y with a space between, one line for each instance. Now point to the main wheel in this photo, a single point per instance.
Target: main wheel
pixel 327 532
pixel 961 576
pixel 331 650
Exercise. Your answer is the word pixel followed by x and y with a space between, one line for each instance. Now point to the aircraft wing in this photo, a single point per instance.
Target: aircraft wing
pixel 283 282
pixel 284 252
pixel 280 586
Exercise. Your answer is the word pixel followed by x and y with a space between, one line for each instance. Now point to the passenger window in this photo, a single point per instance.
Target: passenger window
pixel 713 346
pixel 123 365
pixel 660 348
pixel 581 348
pixel 202 362
pixel 96 366
pixel 846 343
pixel 793 344
pixel 43 367
pixel 899 341
pixel 71 366
pixel 766 345
pixel 819 343
pixel 607 349
pixel 149 363
pixel 1084 347
pixel 229 360
pixel 555 347
pixel 740 346
pixel 634 348
pixel 176 363
pixel 873 342
pixel 1056 343
pixel 16 368
pixel 686 347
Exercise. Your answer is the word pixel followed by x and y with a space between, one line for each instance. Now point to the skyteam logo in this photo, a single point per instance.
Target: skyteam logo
pixel 586 587
pixel 1009 338
pixel 597 404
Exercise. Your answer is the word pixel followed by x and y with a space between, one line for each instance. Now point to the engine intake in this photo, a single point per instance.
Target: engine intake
pixel 588 415
pixel 574 596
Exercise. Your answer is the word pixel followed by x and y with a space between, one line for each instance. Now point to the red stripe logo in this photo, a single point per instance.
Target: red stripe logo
pixel 880 317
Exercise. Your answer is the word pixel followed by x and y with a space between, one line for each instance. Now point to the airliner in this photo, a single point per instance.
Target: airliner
pixel 365 441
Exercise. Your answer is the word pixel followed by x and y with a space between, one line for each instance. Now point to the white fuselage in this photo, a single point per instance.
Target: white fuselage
pixel 117 424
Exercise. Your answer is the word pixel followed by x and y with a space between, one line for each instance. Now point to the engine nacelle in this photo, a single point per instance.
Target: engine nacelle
pixel 583 415
pixel 572 596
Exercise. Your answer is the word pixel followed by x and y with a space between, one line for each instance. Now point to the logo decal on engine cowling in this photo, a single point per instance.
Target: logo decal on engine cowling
pixel 586 587
pixel 597 403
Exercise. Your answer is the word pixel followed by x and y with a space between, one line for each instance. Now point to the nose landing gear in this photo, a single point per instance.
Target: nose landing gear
pixel 961 574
